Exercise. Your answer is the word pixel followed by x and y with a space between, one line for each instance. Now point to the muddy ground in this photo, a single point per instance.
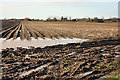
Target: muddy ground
pixel 87 60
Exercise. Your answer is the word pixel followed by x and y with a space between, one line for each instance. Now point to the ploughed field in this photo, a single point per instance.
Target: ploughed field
pixel 87 60
pixel 28 29
pixel 84 61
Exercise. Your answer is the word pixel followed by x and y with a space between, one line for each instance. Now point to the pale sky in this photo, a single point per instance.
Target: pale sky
pixel 43 9
pixel 59 0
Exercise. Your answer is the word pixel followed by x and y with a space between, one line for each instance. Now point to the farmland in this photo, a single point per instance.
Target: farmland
pixel 28 29
pixel 88 60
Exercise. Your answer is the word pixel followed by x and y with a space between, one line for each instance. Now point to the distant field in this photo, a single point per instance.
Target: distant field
pixel 28 29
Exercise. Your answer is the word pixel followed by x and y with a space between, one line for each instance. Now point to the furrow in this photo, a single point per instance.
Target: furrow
pixel 8 29
pixel 4 35
pixel 22 37
pixel 44 34
pixel 27 33
pixel 11 33
pixel 16 33
pixel 32 32
pixel 39 35
pixel 7 24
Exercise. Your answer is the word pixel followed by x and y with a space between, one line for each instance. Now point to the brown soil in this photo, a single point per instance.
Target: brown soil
pixel 88 60
pixel 41 29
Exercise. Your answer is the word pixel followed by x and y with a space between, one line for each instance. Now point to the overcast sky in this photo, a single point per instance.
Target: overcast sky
pixel 43 9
